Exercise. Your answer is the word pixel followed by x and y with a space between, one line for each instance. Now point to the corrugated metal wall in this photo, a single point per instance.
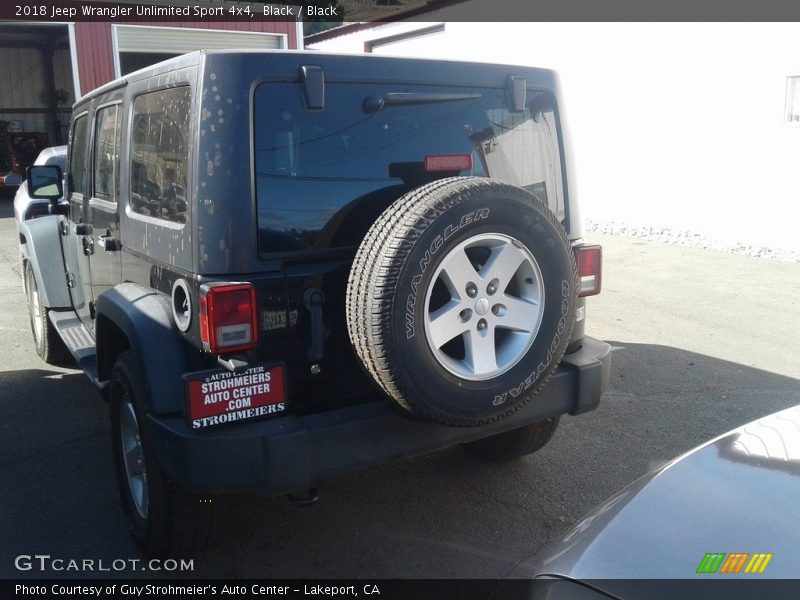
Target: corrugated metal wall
pixel 24 86
pixel 62 69
pixel 96 54
pixel 149 39
pixel 22 74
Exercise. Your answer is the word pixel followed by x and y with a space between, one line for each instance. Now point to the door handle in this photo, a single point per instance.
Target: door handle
pixel 88 246
pixel 108 243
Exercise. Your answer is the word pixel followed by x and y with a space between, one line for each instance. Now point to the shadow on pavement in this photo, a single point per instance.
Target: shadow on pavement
pixel 56 474
pixel 442 516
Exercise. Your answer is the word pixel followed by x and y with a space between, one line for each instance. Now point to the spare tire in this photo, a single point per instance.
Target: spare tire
pixel 461 299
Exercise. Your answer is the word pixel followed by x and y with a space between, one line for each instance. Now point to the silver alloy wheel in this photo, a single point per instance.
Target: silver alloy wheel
pixel 36 310
pixel 133 456
pixel 484 306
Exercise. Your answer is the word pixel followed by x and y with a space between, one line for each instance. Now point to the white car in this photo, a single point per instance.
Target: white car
pixel 26 207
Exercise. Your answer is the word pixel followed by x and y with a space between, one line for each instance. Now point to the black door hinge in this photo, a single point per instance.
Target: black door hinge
pixel 70 280
pixel 92 310
pixel 62 227
pixel 314 299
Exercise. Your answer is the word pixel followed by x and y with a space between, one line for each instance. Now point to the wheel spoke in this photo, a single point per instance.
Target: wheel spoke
pixel 134 459
pixel 445 324
pixel 480 351
pixel 503 264
pixel 521 315
pixel 457 271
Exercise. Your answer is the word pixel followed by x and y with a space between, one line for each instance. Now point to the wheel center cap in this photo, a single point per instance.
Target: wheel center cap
pixel 482 306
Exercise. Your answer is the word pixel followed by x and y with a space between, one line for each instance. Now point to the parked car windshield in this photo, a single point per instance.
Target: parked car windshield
pixel 310 164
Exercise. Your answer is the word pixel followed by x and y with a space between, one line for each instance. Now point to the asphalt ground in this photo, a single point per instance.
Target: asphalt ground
pixel 704 342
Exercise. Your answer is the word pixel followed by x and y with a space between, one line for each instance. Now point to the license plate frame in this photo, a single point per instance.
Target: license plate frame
pixel 219 397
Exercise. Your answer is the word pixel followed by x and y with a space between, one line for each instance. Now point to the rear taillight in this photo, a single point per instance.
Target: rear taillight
pixel 228 317
pixel 590 269
pixel 448 162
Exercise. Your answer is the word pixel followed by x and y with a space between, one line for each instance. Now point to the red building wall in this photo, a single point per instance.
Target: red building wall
pixel 96 52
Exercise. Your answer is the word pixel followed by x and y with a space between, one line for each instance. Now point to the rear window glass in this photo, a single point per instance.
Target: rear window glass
pixel 313 166
pixel 160 154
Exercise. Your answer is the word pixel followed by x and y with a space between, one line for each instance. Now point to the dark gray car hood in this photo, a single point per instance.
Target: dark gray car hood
pixel 737 493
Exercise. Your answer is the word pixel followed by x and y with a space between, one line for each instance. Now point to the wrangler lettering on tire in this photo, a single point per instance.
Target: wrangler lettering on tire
pixel 461 299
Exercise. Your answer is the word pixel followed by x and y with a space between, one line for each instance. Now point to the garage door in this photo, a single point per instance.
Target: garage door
pixel 160 40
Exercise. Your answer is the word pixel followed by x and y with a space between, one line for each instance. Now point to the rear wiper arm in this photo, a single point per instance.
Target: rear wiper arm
pixel 376 103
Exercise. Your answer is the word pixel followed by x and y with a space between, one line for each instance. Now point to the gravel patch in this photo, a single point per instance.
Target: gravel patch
pixel 675 237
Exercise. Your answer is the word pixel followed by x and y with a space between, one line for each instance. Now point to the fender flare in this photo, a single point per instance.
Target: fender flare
pixel 43 245
pixel 144 318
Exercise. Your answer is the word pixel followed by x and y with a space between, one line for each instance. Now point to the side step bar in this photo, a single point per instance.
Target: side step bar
pixel 79 342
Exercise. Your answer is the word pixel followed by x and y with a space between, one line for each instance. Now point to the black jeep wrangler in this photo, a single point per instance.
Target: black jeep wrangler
pixel 281 266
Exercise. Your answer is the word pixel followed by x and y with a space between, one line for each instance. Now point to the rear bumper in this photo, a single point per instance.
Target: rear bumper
pixel 294 453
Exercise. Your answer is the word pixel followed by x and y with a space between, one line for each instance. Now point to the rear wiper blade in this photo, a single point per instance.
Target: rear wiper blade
pixel 376 103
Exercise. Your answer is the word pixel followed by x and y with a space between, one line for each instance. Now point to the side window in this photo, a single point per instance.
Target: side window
pixel 77 154
pixel 106 153
pixel 160 154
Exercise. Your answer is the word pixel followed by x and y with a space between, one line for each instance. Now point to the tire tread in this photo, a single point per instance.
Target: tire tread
pixel 51 349
pixel 180 523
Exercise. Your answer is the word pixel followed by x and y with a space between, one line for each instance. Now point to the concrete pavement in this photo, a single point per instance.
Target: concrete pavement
pixel 705 342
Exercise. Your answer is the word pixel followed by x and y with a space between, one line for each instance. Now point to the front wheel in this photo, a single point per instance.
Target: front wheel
pixel 164 520
pixel 49 345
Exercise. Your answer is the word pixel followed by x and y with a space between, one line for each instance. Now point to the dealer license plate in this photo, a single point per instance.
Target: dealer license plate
pixel 219 397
